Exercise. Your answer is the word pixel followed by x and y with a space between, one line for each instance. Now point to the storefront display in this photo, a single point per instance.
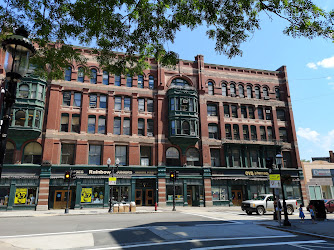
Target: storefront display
pixel 25 196
pixel 4 195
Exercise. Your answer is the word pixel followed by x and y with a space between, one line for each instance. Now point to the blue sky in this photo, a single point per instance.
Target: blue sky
pixel 310 66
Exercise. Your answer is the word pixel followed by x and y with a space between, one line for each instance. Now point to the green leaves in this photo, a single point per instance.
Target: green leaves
pixel 140 29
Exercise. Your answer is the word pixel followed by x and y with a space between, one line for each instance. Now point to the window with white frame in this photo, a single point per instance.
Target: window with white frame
pixel 118 103
pixel 95 154
pixel 141 104
pixel 121 154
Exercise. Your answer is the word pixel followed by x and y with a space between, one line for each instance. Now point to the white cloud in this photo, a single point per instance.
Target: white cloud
pixel 312 65
pixel 308 134
pixel 329 78
pixel 327 62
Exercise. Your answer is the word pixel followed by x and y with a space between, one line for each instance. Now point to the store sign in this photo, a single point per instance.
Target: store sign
pixel 20 196
pixel 107 172
pixel 112 181
pixel 256 173
pixel 274 177
pixel 321 172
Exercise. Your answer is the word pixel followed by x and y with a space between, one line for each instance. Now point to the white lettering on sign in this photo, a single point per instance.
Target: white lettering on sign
pixel 108 172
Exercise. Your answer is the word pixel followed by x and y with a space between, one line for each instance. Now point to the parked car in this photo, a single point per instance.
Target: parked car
pixel 264 203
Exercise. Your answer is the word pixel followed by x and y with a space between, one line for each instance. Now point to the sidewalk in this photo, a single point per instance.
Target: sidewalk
pixel 60 212
pixel 320 229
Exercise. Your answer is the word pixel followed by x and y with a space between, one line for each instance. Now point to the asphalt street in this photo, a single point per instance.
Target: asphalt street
pixel 166 230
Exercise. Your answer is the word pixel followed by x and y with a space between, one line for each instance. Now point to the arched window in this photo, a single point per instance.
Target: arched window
pixel 9 155
pixel 20 117
pixel 140 81
pixel 277 93
pixel 224 90
pixel 172 157
pixel 232 89
pixel 93 76
pixel 179 82
pixel 24 91
pixel 185 128
pixel 32 153
pixel 241 91
pixel 265 92
pixel 151 82
pixel 68 74
pixel 210 88
pixel 81 74
pixel 129 80
pixel 249 92
pixel 257 93
pixel 105 78
pixel 192 157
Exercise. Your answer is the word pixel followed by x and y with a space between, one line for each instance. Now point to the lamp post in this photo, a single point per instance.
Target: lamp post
pixel 18 50
pixel 111 191
pixel 279 158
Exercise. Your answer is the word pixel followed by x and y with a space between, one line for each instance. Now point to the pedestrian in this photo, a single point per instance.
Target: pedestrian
pixel 312 215
pixel 301 213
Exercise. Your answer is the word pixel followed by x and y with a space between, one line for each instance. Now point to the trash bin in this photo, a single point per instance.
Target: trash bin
pixel 121 208
pixel 126 208
pixel 115 208
pixel 319 209
pixel 133 206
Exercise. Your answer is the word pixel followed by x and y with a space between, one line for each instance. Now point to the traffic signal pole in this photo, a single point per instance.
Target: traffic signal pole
pixel 174 195
pixel 68 193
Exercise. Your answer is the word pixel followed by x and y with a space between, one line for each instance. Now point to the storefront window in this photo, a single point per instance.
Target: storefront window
pixel 256 190
pixel 178 192
pixel 315 192
pixel 93 195
pixel 121 193
pixel 219 193
pixel 4 196
pixel 25 196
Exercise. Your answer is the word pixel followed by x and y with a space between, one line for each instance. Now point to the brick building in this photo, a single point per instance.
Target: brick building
pixel 215 124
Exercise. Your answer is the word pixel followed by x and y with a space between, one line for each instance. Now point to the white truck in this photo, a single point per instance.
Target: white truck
pixel 264 203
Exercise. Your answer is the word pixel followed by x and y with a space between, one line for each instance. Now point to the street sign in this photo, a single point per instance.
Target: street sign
pixel 274 177
pixel 275 184
pixel 112 181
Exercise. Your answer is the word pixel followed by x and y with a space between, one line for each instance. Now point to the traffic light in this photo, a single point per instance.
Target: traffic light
pixel 67 176
pixel 269 162
pixel 176 175
pixel 73 175
pixel 172 176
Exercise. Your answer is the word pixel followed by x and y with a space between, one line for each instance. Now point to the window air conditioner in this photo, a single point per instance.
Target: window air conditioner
pixel 227 115
pixel 266 98
pixel 268 111
pixel 233 95
pixel 192 133
pixel 149 134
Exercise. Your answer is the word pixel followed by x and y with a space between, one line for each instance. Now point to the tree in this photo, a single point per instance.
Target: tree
pixel 140 28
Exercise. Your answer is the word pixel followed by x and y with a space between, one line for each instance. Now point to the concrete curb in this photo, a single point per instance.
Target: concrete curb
pixel 299 232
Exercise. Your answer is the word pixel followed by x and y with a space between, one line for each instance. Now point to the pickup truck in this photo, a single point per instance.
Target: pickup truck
pixel 264 203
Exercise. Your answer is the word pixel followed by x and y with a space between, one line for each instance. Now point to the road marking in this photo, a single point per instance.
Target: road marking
pixel 261 244
pixel 212 218
pixel 190 241
pixel 73 232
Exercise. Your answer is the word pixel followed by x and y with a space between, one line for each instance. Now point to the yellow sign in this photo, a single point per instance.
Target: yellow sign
pixel 112 180
pixel 86 195
pixel 274 177
pixel 20 196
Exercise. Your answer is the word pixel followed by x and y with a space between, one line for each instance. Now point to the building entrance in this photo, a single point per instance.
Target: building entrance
pixel 236 197
pixel 145 195
pixel 193 197
pixel 60 199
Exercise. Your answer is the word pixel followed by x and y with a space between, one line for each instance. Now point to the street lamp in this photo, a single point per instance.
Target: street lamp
pixel 18 50
pixel 279 158
pixel 111 191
